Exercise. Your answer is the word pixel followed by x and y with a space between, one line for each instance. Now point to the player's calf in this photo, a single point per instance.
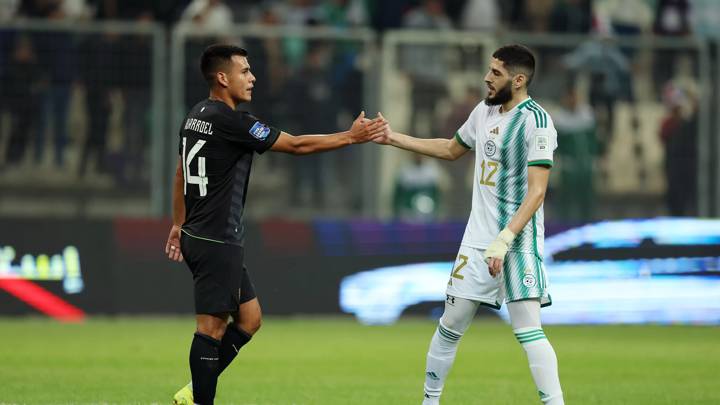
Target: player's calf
pixel 525 318
pixel 456 319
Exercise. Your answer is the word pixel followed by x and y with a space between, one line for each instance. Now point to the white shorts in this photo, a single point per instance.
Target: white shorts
pixel 523 277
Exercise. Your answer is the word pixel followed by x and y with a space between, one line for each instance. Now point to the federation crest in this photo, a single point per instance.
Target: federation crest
pixel 490 148
pixel 260 131
pixel 529 281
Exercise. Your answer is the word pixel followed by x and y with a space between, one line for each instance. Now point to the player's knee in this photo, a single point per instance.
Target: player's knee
pixel 251 326
pixel 456 322
pixel 215 331
pixel 213 326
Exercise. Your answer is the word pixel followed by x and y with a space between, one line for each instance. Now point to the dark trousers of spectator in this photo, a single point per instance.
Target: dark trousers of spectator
pixel 307 175
pixel 55 111
pixel 681 195
pixel 138 111
pixel 425 96
pixel 21 120
pixel 98 120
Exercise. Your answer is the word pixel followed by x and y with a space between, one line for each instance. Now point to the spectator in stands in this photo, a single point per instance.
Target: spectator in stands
pixel 678 133
pixel 387 15
pixel 705 18
pixel 344 13
pixel 23 84
pixel 480 15
pixel 571 16
pixel 609 71
pixel 623 17
pixel 426 67
pixel 537 14
pixel 314 109
pixel 672 18
pixel 577 153
pixel 9 9
pixel 56 54
pixel 101 76
pixel 212 15
pixel 416 196
pixel 460 175
pixel 136 53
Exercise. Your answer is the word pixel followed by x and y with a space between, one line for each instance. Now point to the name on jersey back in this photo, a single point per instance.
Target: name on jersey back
pixel 197 125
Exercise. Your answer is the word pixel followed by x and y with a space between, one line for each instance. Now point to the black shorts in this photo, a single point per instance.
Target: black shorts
pixel 222 282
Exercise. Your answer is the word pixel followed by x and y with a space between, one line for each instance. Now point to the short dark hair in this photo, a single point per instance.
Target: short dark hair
pixel 517 59
pixel 216 57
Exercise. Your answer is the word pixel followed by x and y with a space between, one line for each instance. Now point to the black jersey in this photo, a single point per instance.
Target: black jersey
pixel 216 148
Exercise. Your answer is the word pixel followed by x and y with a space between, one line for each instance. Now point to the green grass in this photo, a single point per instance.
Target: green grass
pixel 337 361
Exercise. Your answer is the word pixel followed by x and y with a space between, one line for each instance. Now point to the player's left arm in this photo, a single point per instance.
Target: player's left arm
pixel 172 246
pixel 541 143
pixel 538 177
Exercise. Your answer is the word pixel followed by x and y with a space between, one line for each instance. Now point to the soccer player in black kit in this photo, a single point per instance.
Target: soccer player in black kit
pixel 217 144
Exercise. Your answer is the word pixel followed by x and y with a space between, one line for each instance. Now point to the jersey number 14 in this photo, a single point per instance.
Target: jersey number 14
pixel 201 180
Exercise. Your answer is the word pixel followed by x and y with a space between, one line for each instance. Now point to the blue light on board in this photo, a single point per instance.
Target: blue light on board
pixel 660 290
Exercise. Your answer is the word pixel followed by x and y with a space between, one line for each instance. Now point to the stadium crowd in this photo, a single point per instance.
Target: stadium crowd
pixel 48 76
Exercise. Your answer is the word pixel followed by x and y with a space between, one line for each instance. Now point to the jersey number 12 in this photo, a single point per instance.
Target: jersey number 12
pixel 201 180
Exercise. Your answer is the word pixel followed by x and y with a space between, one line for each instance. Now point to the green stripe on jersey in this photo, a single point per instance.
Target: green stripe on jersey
pixel 505 193
pixel 524 103
pixel 542 162
pixel 543 113
pixel 460 141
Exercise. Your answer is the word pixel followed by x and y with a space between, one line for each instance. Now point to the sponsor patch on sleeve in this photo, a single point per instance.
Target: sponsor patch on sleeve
pixel 260 131
pixel 541 143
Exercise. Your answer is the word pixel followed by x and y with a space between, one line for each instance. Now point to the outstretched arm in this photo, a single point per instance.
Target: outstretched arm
pixel 361 131
pixel 172 246
pixel 448 149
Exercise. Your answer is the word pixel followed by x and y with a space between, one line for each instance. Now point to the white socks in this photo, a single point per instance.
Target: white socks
pixel 440 358
pixel 543 364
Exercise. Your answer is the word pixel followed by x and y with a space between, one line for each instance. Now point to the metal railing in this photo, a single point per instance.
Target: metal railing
pixel 417 92
pixel 106 60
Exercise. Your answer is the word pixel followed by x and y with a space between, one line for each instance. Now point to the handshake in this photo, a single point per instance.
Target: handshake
pixel 366 130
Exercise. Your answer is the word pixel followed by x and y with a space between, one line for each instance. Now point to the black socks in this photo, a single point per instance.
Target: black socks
pixel 209 357
pixel 204 366
pixel 230 345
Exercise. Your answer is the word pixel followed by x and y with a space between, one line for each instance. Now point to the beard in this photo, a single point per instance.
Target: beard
pixel 502 96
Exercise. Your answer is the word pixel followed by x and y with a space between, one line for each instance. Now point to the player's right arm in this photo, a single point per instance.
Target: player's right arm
pixel 441 148
pixel 172 246
pixel 361 131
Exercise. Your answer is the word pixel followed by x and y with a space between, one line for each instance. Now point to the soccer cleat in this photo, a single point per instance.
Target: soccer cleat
pixel 184 396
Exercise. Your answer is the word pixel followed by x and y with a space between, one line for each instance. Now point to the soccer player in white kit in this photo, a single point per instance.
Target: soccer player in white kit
pixel 500 257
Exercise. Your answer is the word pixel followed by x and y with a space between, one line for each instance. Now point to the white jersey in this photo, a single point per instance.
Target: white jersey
pixel 505 145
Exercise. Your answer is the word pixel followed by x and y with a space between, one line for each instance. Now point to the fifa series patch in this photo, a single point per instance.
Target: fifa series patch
pixel 260 131
pixel 541 143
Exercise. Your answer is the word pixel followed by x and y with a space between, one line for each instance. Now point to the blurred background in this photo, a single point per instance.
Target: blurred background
pixel 92 94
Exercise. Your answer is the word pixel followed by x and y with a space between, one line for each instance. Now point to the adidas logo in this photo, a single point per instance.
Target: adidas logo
pixel 432 375
pixel 495 131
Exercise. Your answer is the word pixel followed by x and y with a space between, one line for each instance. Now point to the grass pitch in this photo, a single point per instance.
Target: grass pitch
pixel 336 361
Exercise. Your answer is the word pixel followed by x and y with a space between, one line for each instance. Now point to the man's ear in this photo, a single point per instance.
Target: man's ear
pixel 519 80
pixel 222 79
